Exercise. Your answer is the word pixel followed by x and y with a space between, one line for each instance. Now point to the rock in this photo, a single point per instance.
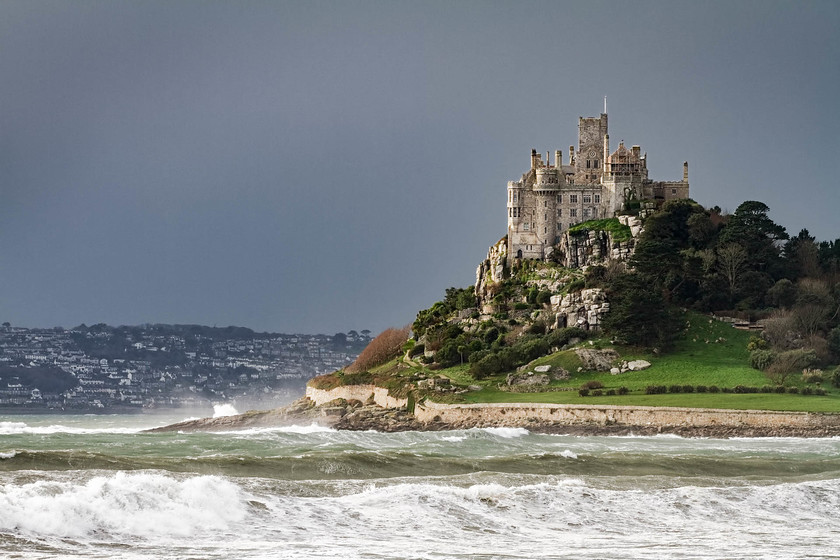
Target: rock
pixel 543 369
pixel 597 360
pixel 615 371
pixel 559 374
pixel 638 365
pixel 475 387
pixel 529 379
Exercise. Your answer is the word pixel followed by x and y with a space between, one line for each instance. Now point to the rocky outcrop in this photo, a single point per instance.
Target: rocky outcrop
pixel 578 250
pixel 491 270
pixel 593 359
pixel 582 309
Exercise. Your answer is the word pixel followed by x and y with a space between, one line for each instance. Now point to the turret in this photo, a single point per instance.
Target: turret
pixel 571 155
pixel 558 159
pixel 606 149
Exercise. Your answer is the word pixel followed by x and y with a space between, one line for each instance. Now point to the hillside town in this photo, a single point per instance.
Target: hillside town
pixel 133 369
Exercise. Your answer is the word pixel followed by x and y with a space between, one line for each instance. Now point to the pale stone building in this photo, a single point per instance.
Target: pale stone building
pixel 594 184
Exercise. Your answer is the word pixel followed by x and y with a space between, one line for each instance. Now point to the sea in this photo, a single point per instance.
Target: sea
pixel 99 487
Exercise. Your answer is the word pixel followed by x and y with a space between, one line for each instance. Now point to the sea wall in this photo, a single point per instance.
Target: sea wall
pixel 526 414
pixel 356 393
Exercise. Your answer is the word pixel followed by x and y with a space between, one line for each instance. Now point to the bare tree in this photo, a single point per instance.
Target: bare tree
pixel 731 262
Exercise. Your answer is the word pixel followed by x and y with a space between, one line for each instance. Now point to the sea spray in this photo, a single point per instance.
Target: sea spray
pixel 224 409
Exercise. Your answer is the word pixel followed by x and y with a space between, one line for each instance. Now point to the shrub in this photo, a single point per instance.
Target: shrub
pixel 583 392
pixel 593 384
pixel 820 391
pixel 780 389
pixel 417 350
pixel 714 389
pixel 807 391
pixel 767 389
pixel 762 359
pixel 544 297
pixel 381 349
pixel 793 390
pixel 688 389
pixel 561 337
pixel 702 389
pixel 519 306
pixel 675 389
pixel 576 285
pixel 655 389
pixel 597 393
pixel 537 328
pixel 623 390
pixel 835 377
pixel 756 343
pixel 812 376
pixel 491 334
pixel 611 392
pixel 742 389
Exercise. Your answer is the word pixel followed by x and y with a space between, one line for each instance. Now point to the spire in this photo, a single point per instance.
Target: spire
pixel 605 104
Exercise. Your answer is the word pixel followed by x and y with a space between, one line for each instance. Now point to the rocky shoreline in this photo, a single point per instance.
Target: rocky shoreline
pixel 357 416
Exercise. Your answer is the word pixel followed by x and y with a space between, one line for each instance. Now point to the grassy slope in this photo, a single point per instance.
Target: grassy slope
pixel 698 359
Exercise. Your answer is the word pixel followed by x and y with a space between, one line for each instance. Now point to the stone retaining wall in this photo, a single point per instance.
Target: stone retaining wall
pixel 355 393
pixel 523 414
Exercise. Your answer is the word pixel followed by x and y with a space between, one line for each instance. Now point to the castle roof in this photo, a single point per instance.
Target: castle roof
pixel 623 155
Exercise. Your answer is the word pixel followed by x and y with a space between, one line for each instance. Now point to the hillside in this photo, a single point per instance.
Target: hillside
pixel 650 291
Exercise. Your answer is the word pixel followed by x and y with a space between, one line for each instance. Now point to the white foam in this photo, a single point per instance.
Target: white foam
pixel 224 409
pixel 507 433
pixel 294 429
pixel 16 428
pixel 127 504
pixel 7 454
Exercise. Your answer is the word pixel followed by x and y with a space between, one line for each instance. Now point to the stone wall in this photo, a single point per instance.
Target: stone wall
pixel 525 414
pixel 356 393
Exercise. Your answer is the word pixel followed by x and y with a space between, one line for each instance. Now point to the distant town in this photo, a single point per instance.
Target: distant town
pixel 142 368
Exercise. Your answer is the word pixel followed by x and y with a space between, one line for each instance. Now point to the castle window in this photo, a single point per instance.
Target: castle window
pixel 573 212
pixel 596 164
pixel 587 199
pixel 545 204
pixel 588 162
pixel 559 212
pixel 526 227
pixel 673 191
pixel 559 226
pixel 573 198
pixel 559 198
pixel 586 212
pixel 597 199
pixel 516 197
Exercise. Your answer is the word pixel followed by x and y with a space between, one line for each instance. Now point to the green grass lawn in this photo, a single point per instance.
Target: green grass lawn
pixel 710 353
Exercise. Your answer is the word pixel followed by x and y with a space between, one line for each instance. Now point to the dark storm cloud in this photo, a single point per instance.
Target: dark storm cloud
pixel 322 166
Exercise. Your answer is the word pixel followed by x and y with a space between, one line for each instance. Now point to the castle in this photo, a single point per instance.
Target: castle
pixel 595 183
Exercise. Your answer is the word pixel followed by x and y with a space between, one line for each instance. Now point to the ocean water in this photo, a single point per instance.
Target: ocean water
pixel 97 487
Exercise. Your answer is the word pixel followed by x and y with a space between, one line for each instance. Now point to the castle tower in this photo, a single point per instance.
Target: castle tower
pixel 592 133
pixel 546 186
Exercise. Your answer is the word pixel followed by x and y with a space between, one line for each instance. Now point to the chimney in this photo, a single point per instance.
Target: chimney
pixel 685 172
pixel 558 159
pixel 533 158
pixel 571 155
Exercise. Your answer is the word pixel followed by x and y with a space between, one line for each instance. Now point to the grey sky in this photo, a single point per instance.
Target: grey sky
pixel 325 166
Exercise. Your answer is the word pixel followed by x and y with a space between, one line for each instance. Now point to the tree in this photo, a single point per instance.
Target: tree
pixel 731 262
pixel 639 314
pixel 752 228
